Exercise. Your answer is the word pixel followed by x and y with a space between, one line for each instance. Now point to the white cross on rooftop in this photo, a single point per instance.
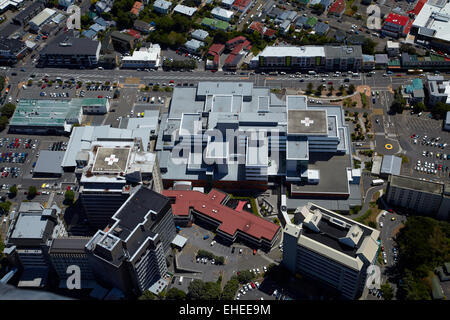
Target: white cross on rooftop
pixel 307 121
pixel 111 159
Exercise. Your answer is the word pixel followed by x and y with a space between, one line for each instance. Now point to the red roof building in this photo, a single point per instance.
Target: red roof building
pixel 231 43
pixel 337 8
pixel 238 46
pixel 137 7
pixel 216 48
pixel 418 7
pixel 262 29
pixel 242 5
pixel 229 223
pixel 134 33
pixel 395 25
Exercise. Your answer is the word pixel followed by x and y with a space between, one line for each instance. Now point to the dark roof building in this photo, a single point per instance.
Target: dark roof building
pixel 11 50
pixel 71 52
pixel 129 253
pixel 29 12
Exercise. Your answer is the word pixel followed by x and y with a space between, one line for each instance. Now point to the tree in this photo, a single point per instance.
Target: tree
pixel 341 89
pixel 199 290
pixel 8 110
pixel 4 207
pixel 69 197
pixel 85 21
pixel 330 89
pixel 3 122
pixel 32 191
pixel 440 109
pixel 318 8
pixel 230 288
pixel 245 276
pixel 368 46
pixel 309 88
pixel 319 90
pixel 351 88
pixel 387 291
pixel 175 294
pixel 147 295
pixel 13 191
pixel 419 107
pixel 220 37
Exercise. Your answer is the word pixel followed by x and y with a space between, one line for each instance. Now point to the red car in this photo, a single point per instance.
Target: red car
pixel 254 251
pixel 412 137
pixel 43 86
pixel 186 54
pixel 100 97
pixel 330 82
pixel 68 188
pixel 171 81
pixel 253 285
pixel 382 248
pixel 390 210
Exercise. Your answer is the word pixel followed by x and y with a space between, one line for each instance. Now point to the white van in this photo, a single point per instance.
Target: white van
pixel 180 281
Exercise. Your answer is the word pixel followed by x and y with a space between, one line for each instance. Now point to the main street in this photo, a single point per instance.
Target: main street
pixel 376 81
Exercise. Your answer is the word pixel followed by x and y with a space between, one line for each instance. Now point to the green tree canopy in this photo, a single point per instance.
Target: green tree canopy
pixel 175 294
pixel 8 110
pixel 69 197
pixel 32 191
pixel 199 290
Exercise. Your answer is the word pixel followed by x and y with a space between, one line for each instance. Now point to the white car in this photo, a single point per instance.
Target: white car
pixel 385 261
pixel 381 224
pixel 265 269
pixel 257 270
pixel 213 242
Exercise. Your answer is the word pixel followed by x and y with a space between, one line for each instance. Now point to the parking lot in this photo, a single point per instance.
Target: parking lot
pixel 241 258
pixel 426 145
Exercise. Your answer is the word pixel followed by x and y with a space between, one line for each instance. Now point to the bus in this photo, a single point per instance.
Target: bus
pixel 377 182
pixel 415 71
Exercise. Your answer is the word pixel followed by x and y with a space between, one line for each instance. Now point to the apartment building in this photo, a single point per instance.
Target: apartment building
pixel 71 52
pixel 422 197
pixel 330 248
pixel 318 58
pixel 130 253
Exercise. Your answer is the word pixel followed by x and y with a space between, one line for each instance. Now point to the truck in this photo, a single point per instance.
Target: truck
pixel 283 203
pixel 377 182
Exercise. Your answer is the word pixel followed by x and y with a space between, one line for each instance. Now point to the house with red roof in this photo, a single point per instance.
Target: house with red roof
pixel 396 25
pixel 214 51
pixel 137 8
pixel 242 5
pixel 228 223
pixel 239 47
pixel 337 8
pixel 134 33
pixel 262 29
